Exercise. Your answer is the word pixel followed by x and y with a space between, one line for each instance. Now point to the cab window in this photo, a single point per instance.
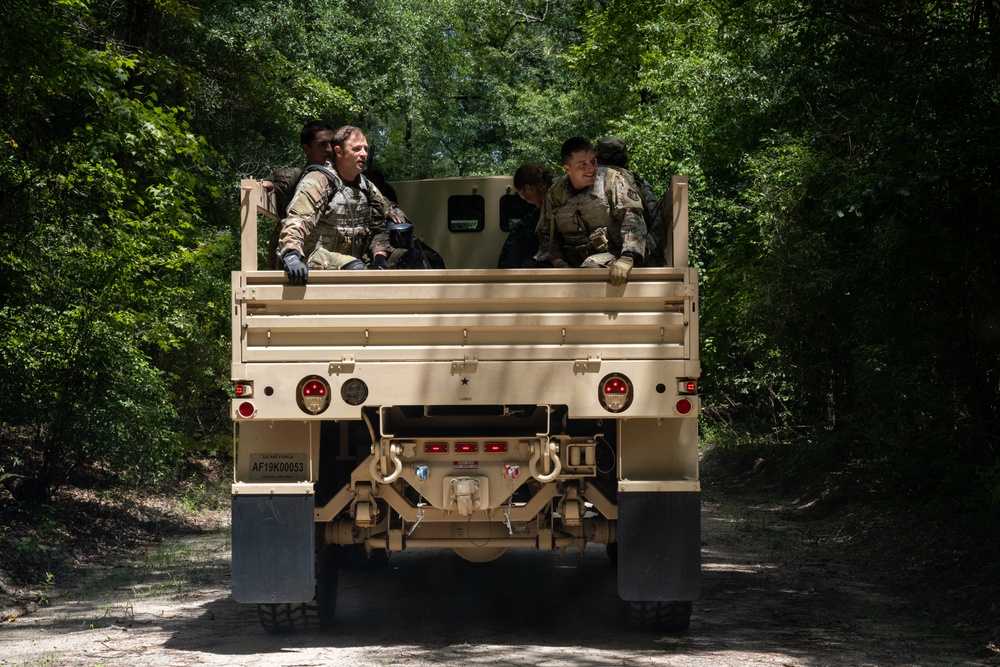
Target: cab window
pixel 512 209
pixel 466 213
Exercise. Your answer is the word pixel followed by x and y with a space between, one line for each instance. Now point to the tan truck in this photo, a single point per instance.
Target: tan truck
pixel 467 408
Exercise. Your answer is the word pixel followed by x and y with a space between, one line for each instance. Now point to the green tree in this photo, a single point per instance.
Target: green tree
pixel 843 171
pixel 105 251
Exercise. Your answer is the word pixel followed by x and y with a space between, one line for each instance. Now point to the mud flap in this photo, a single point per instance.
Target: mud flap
pixel 659 546
pixel 274 541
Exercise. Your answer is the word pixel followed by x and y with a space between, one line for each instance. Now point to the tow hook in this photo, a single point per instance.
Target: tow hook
pixel 385 453
pixel 549 451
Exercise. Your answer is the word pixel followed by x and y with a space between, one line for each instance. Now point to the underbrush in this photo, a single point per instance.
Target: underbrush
pixel 47 546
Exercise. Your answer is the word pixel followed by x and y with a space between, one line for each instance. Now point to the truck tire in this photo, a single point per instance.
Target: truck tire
pixel 317 614
pixel 663 616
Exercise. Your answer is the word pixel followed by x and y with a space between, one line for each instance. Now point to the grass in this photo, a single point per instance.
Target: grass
pixel 167 569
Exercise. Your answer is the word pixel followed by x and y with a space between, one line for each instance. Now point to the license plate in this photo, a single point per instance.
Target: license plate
pixel 279 467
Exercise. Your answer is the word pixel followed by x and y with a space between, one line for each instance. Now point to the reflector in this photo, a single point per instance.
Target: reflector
pixel 683 406
pixel 246 409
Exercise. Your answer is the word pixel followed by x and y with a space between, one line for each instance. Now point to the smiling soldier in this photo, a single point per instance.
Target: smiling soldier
pixel 592 216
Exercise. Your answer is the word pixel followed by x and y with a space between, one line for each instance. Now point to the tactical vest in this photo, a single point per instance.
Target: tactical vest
pixel 581 217
pixel 345 224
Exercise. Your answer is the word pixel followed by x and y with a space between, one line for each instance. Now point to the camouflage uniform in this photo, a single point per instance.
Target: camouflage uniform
pixel 611 151
pixel 332 223
pixel 592 227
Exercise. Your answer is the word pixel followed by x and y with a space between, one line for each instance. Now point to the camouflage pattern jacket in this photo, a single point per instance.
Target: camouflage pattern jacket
pixel 342 218
pixel 604 218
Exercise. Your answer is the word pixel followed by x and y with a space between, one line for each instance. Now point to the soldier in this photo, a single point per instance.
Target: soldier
pixel 532 182
pixel 337 218
pixel 611 152
pixel 592 216
pixel 315 139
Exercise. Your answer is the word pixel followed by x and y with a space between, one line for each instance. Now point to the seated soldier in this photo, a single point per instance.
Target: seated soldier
pixel 611 151
pixel 532 183
pixel 315 140
pixel 592 216
pixel 337 219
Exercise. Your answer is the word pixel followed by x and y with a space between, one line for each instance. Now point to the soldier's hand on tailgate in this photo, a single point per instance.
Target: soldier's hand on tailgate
pixel 620 269
pixel 298 273
pixel 560 263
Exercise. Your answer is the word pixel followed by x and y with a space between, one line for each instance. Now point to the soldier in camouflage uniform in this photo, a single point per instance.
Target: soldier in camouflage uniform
pixel 337 218
pixel 611 152
pixel 316 141
pixel 592 216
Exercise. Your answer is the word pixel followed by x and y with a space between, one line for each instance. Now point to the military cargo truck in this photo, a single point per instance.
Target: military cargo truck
pixel 466 408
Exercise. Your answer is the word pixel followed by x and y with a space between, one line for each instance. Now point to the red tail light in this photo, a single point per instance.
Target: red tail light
pixel 313 395
pixel 314 388
pixel 615 392
pixel 687 387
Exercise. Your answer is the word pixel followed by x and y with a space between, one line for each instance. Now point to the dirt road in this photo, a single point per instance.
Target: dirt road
pixel 776 592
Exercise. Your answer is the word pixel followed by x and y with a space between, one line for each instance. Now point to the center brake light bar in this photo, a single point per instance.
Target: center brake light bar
pixel 466 448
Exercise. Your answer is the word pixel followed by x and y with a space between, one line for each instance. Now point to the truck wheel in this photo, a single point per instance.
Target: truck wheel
pixel 664 616
pixel 317 614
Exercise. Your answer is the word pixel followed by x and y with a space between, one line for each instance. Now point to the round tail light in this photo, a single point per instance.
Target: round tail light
pixel 615 392
pixel 313 395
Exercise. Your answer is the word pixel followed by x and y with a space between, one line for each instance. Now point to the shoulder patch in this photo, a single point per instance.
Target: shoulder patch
pixel 633 195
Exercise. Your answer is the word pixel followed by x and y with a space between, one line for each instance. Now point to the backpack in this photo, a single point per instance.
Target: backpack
pixel 285 181
pixel 656 226
pixel 418 256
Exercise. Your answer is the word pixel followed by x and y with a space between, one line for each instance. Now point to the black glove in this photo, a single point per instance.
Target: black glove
pixel 298 273
pixel 380 262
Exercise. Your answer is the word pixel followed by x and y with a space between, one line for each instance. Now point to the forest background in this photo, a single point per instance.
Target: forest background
pixel 843 157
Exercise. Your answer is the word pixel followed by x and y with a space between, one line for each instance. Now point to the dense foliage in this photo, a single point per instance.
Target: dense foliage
pixel 842 156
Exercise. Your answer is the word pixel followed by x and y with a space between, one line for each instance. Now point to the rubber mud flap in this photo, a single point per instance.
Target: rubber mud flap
pixel 659 546
pixel 274 541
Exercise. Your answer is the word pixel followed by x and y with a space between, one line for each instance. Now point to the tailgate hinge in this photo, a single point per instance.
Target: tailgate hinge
pixel 246 294
pixel 591 364
pixel 467 365
pixel 345 365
